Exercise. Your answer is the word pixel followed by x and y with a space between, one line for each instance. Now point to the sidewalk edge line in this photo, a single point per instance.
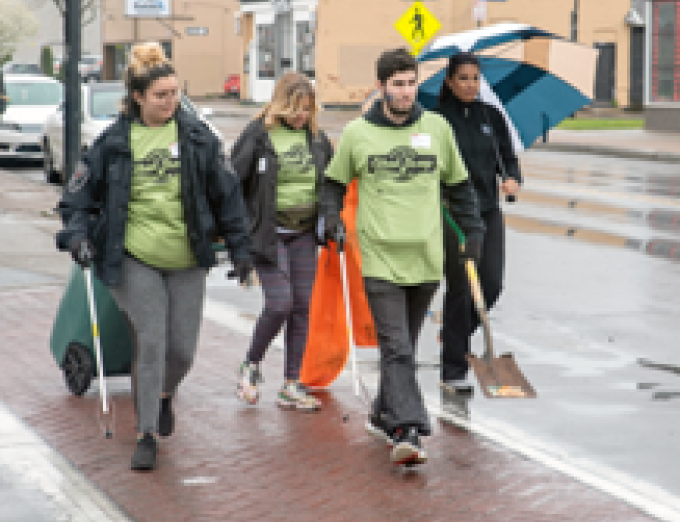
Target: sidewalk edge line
pixel 598 480
pixel 80 494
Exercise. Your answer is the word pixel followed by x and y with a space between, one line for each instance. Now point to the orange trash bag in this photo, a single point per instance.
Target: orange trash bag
pixel 362 320
pixel 327 348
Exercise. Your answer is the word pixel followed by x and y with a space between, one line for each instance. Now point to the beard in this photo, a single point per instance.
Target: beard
pixel 395 110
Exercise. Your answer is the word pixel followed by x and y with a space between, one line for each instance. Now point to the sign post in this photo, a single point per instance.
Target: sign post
pixel 479 12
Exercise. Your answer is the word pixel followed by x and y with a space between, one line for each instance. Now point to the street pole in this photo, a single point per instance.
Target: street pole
pixel 574 22
pixel 72 108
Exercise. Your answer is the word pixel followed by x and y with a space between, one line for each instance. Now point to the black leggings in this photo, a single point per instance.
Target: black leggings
pixel 460 318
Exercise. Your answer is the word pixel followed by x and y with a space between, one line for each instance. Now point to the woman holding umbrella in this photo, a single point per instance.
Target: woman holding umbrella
pixel 486 147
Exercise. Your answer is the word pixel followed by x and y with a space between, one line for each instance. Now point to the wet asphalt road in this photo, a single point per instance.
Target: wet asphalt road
pixel 592 287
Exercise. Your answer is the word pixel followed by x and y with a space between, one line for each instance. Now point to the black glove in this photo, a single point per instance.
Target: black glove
pixel 83 252
pixel 241 271
pixel 334 230
pixel 472 250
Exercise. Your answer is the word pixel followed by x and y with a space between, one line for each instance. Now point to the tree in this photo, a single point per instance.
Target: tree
pixel 88 7
pixel 17 23
pixel 47 61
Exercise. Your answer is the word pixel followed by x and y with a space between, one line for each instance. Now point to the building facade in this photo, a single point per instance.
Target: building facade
pixel 349 35
pixel 336 42
pixel 663 71
pixel 200 37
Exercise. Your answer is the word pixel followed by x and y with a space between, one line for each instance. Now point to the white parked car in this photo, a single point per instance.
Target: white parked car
pixel 30 101
pixel 101 103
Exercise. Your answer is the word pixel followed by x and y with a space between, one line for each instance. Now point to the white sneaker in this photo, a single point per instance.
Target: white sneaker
pixel 249 377
pixel 293 396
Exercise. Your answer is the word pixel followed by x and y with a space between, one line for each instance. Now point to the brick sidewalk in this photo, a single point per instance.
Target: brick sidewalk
pixel 230 462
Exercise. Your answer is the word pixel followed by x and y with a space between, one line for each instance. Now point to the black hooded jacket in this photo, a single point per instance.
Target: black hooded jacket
pixel 460 198
pixel 257 166
pixel 480 132
pixel 95 202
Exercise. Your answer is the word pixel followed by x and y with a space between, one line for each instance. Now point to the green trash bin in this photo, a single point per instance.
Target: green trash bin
pixel 72 344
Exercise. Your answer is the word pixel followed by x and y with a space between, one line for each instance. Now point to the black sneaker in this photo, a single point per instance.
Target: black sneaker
pixel 407 450
pixel 144 458
pixel 377 429
pixel 166 418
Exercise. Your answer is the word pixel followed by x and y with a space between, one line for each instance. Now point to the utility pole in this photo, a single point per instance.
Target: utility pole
pixel 72 109
pixel 574 22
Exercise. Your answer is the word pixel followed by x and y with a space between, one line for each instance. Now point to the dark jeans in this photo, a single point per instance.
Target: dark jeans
pixel 398 314
pixel 460 318
pixel 287 291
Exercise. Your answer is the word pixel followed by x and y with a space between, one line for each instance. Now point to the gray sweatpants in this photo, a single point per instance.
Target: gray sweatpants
pixel 164 309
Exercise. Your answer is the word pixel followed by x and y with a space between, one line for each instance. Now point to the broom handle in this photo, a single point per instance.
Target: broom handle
pixel 475 286
pixel 97 341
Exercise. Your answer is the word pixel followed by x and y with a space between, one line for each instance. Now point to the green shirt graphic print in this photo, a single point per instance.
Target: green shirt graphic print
pixel 399 171
pixel 296 182
pixel 156 231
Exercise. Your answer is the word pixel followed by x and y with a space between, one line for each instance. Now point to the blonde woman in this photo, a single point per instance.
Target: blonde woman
pixel 143 208
pixel 280 158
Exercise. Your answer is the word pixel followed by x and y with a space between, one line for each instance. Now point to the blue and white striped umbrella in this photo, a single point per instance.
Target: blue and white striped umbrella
pixel 535 78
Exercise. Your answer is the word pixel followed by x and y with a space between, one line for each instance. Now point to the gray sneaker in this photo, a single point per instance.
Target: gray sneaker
pixel 458 386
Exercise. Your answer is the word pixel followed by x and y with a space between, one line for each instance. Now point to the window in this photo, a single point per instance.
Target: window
pixel 37 93
pixel 305 49
pixel 105 104
pixel 266 52
pixel 665 51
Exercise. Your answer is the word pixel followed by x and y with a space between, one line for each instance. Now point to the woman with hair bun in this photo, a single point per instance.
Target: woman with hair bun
pixel 280 158
pixel 143 208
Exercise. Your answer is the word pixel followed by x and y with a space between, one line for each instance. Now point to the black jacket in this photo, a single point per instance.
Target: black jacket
pixel 95 202
pixel 460 198
pixel 252 149
pixel 476 126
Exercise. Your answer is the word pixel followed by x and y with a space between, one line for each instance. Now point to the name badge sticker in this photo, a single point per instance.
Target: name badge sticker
pixel 174 150
pixel 421 141
pixel 262 165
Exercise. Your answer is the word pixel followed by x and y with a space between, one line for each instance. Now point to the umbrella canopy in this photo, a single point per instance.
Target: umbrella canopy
pixel 534 78
pixel 477 40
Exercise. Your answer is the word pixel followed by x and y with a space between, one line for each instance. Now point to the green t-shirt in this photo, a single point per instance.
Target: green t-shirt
pixel 296 185
pixel 399 170
pixel 156 231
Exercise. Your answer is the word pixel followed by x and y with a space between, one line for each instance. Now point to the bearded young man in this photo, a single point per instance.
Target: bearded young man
pixel 406 161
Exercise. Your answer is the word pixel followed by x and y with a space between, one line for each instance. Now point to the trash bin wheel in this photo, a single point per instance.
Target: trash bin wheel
pixel 78 368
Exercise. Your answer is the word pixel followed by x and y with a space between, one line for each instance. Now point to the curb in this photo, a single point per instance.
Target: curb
pixel 577 148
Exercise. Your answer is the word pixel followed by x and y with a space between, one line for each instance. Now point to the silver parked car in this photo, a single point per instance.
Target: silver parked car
pixel 30 101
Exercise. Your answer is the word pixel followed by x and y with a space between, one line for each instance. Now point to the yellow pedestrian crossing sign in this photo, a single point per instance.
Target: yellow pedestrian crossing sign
pixel 417 25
